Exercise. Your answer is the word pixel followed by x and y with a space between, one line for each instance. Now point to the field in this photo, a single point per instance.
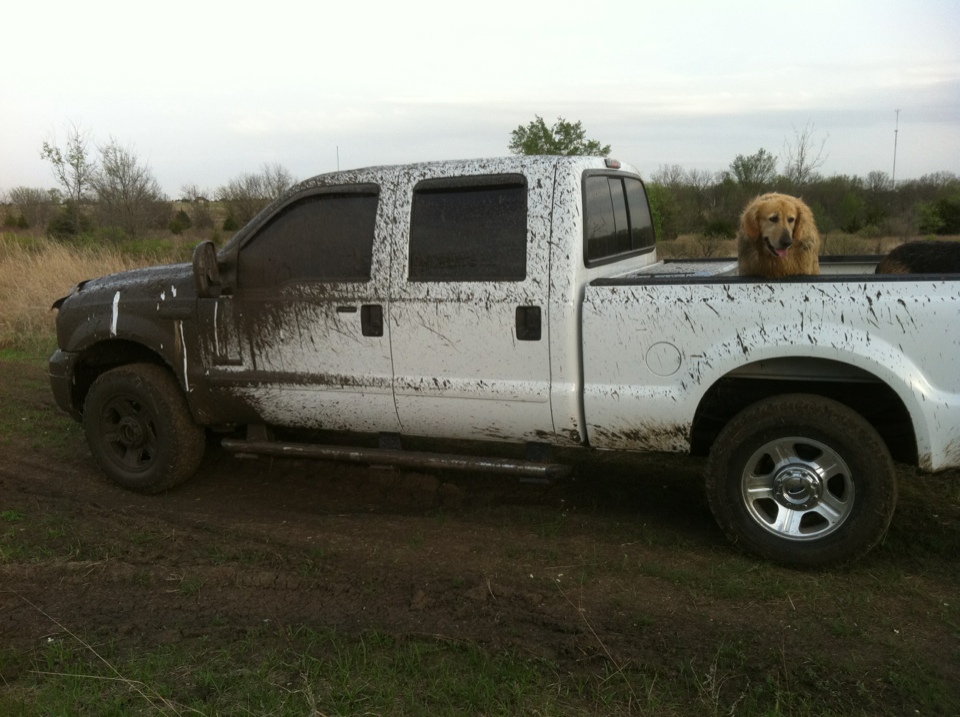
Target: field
pixel 292 588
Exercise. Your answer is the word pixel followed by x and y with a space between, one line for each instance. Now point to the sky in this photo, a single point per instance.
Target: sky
pixel 203 92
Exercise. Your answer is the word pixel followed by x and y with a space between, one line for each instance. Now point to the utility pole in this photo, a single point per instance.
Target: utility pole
pixel 896 131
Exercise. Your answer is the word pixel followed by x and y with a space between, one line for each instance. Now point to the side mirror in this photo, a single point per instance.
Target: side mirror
pixel 206 272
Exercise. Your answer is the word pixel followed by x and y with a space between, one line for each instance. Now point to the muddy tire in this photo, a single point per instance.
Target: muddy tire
pixel 801 480
pixel 139 428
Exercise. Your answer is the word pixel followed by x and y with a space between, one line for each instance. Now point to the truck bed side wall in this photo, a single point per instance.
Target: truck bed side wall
pixel 653 349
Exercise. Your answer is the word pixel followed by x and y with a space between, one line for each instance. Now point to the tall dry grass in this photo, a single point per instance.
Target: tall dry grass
pixel 34 272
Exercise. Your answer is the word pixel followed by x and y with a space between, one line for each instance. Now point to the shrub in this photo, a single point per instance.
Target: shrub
pixel 720 228
pixel 180 222
pixel 949 210
pixel 15 221
pixel 845 244
pixel 68 223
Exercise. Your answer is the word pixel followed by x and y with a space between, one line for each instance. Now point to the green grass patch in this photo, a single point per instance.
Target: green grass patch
pixel 279 672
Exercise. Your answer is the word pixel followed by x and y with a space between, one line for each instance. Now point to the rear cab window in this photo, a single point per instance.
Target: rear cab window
pixel 617 222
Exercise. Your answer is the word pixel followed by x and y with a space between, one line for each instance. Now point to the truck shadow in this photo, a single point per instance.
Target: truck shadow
pixel 650 489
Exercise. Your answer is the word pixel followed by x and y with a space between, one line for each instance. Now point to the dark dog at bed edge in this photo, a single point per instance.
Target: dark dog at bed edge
pixel 922 257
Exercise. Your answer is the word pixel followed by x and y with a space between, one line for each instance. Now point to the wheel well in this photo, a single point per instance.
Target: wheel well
pixel 866 395
pixel 105 356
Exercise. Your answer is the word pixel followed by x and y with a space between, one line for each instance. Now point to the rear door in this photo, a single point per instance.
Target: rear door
pixel 469 302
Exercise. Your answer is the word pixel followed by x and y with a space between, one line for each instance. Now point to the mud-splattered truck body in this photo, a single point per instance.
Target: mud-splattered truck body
pixel 520 301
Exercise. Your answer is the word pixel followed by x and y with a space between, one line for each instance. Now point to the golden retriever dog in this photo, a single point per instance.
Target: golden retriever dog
pixel 778 238
pixel 922 257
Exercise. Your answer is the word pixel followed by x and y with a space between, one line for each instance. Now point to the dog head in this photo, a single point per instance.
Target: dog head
pixel 778 236
pixel 777 220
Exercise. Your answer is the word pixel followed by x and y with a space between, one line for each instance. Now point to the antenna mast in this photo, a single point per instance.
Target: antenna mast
pixel 896 131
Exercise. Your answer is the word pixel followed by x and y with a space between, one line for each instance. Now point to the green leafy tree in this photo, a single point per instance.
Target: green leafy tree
pixel 663 210
pixel 563 138
pixel 754 171
pixel 929 220
pixel 180 222
pixel 74 170
pixel 948 209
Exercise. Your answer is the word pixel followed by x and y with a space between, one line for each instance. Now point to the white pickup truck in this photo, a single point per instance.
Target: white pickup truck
pixel 520 300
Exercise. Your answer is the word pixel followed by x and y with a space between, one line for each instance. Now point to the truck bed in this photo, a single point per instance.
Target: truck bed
pixel 726 266
pixel 656 342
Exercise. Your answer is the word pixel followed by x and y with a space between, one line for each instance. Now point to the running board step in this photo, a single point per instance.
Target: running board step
pixel 395 457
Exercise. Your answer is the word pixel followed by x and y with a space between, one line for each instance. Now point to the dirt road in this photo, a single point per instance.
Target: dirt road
pixel 620 565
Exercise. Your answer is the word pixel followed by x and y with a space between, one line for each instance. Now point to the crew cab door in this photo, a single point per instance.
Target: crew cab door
pixel 469 303
pixel 302 337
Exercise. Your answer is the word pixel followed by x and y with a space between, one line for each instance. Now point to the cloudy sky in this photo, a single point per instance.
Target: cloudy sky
pixel 204 91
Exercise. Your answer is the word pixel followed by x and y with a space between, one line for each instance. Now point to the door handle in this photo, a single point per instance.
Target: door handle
pixel 528 323
pixel 371 320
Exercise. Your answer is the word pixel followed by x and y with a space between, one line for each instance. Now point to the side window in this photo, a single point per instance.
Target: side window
pixel 321 237
pixel 469 229
pixel 616 219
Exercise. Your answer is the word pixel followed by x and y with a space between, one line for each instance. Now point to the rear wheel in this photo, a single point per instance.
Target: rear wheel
pixel 802 480
pixel 140 430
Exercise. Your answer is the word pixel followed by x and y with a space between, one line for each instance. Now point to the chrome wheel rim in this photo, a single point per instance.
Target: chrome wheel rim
pixel 797 488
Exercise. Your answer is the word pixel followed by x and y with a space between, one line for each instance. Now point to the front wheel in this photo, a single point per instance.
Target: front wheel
pixel 802 480
pixel 140 430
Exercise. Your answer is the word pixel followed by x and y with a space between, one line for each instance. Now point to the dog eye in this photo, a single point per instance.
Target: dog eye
pixel 775 218
pixel 791 219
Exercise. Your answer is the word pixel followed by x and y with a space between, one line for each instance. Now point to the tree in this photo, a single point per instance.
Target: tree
pixel 34 205
pixel 564 138
pixel 948 209
pixel 201 216
pixel 755 171
pixel 878 181
pixel 247 194
pixel 664 211
pixel 128 195
pixel 73 169
pixel 669 175
pixel 276 180
pixel 802 157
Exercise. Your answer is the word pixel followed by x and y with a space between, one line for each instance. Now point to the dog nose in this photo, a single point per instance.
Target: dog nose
pixel 785 239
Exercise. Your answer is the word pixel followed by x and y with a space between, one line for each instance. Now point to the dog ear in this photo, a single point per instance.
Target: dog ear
pixel 749 221
pixel 805 227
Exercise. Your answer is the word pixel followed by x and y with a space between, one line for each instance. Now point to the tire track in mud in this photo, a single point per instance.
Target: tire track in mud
pixel 253 544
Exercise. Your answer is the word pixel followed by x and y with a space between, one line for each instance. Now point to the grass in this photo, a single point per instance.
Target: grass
pixel 35 271
pixel 284 671
pixel 27 416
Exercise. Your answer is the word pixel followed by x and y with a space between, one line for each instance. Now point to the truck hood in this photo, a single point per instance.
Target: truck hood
pixel 164 281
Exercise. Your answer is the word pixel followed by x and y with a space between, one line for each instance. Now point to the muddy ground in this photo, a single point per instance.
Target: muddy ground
pixel 619 565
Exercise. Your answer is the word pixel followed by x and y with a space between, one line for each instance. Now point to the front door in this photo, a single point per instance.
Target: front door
pixel 303 338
